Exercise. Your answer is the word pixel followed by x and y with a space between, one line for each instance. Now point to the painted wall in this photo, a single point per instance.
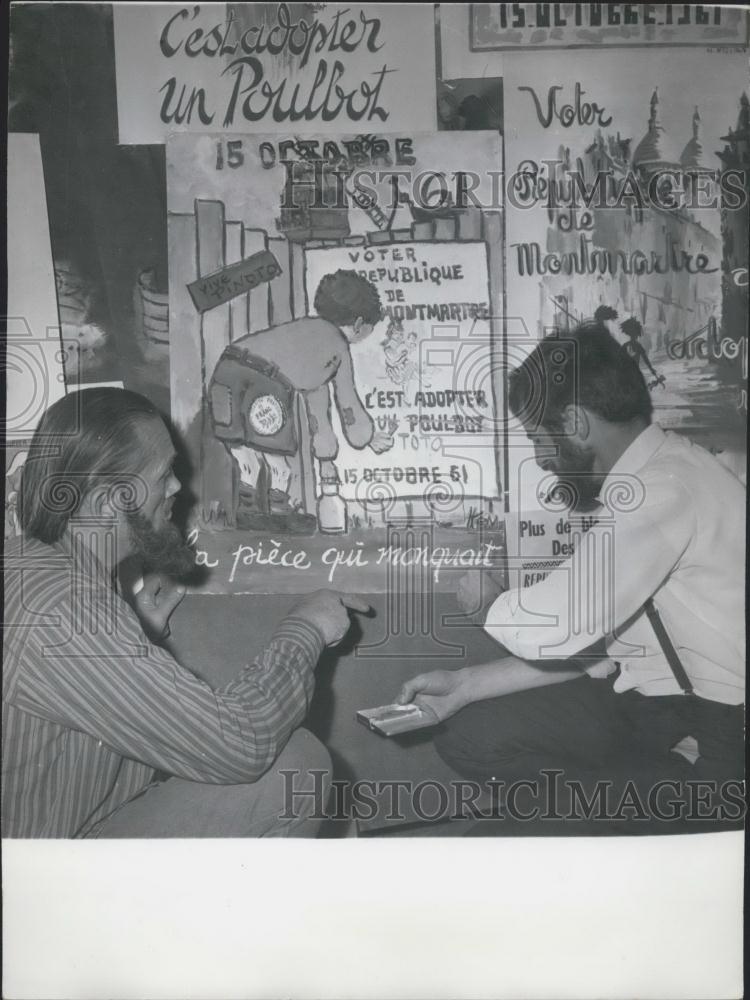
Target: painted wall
pixel 526 94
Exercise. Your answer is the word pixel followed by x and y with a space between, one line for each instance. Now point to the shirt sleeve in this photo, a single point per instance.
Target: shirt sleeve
pixel 615 566
pixel 325 445
pixel 355 420
pixel 133 697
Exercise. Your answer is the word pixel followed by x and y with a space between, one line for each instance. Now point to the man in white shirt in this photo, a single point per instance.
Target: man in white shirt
pixel 670 526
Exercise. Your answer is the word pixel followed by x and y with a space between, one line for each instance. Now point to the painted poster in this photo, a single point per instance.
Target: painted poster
pixel 35 353
pixel 509 26
pixel 272 67
pixel 337 369
pixel 457 57
pixel 626 201
pixel 469 84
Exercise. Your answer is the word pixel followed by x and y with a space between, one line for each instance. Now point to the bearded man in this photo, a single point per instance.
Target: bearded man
pixel 104 733
pixel 628 660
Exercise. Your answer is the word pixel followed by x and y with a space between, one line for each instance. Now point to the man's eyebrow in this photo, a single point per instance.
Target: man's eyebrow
pixel 169 463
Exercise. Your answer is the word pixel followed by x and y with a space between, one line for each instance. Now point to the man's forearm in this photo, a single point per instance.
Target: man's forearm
pixel 506 676
pixel 278 686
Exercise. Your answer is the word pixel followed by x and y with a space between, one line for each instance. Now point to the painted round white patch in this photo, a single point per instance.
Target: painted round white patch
pixel 266 415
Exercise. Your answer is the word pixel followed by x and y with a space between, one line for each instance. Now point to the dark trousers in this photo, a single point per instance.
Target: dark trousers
pixel 592 734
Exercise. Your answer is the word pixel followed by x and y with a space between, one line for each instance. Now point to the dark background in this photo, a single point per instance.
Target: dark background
pixel 107 203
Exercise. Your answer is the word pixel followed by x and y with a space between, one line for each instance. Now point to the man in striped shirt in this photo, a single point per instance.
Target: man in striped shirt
pixel 91 707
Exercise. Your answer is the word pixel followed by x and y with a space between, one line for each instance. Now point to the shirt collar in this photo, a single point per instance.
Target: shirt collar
pixel 639 451
pixel 84 558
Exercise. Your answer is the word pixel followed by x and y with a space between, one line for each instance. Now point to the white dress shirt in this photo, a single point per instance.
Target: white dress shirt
pixel 671 526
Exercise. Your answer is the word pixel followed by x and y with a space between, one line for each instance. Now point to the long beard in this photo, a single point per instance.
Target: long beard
pixel 160 550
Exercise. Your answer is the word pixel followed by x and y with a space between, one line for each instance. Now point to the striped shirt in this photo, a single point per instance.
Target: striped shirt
pixel 91 707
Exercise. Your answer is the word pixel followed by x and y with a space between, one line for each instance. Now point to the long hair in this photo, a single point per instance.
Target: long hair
pixel 85 440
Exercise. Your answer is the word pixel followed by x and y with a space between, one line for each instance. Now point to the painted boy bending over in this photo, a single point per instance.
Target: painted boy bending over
pixel 253 394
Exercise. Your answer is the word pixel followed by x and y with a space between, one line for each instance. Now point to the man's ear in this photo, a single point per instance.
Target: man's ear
pixel 357 324
pixel 98 504
pixel 576 423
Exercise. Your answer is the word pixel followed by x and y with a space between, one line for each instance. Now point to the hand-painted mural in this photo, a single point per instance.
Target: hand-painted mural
pixel 624 180
pixel 339 307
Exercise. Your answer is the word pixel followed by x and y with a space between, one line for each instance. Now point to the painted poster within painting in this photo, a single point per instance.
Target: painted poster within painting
pixel 336 361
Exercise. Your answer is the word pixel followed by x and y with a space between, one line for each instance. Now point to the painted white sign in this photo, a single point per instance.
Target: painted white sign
pixel 273 67
pixel 524 26
pixel 425 373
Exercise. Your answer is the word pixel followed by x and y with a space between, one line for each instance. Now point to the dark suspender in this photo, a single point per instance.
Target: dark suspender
pixel 667 648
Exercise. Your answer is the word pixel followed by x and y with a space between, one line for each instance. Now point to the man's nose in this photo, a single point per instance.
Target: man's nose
pixel 173 486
